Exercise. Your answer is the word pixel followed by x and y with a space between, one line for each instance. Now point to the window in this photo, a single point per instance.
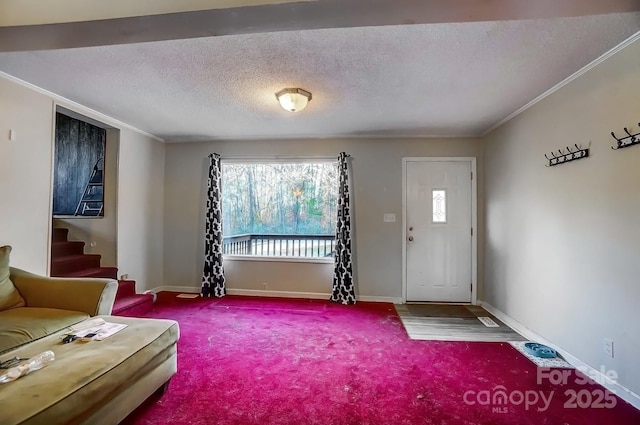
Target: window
pixel 439 209
pixel 279 209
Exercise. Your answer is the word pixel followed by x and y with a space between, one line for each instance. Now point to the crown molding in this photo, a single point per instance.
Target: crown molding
pixel 564 82
pixel 79 108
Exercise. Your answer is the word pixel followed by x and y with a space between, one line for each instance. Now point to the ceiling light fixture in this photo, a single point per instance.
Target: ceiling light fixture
pixel 293 100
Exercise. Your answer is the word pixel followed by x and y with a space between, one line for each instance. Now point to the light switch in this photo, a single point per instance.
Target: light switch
pixel 12 135
pixel 389 218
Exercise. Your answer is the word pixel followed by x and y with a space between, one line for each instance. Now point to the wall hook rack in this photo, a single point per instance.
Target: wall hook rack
pixel 626 141
pixel 561 158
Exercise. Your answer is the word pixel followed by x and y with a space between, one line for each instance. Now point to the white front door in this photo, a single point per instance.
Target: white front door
pixel 438 220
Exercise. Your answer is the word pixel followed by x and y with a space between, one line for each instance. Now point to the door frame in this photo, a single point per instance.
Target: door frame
pixel 474 220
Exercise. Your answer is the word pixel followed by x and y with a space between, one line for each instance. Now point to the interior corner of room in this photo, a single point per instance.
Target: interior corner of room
pixel 556 247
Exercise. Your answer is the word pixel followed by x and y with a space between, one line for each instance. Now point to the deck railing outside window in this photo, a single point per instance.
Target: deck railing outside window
pixel 279 245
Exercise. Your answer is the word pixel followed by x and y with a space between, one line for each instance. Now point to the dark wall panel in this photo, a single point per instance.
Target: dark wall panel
pixel 78 146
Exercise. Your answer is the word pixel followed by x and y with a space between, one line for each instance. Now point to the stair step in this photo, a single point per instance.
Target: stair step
pixel 106 272
pixel 126 288
pixel 74 263
pixel 133 306
pixel 65 248
pixel 69 260
pixel 59 234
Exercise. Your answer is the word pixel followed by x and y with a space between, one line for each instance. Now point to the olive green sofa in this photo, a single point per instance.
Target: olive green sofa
pixel 45 305
pixel 98 382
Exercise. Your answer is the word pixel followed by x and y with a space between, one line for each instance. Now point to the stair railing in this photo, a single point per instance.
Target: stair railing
pixel 95 185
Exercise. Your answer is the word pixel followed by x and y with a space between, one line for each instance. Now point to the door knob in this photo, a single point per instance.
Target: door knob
pixel 410 228
pixel 410 238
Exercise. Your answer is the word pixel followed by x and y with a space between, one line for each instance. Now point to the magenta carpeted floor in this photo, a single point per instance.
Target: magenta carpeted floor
pixel 278 361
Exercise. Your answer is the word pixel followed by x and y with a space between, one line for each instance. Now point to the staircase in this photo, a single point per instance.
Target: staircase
pixel 69 260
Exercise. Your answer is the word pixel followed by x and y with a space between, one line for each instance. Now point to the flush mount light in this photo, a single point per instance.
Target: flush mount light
pixel 293 100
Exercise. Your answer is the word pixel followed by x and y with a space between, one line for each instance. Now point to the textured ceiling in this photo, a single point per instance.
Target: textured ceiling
pixel 451 79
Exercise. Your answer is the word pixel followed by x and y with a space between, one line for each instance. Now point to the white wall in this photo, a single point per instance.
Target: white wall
pixel 26 181
pixel 25 175
pixel 140 209
pixel 562 251
pixel 377 175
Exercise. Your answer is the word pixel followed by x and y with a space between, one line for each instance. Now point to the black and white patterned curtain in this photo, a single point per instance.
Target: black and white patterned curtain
pixel 213 282
pixel 343 282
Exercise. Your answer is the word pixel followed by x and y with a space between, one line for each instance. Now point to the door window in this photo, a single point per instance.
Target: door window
pixel 439 205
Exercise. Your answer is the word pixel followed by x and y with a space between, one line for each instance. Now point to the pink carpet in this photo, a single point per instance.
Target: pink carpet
pixel 278 361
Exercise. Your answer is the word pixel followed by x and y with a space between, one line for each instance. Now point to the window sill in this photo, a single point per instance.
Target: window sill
pixel 318 260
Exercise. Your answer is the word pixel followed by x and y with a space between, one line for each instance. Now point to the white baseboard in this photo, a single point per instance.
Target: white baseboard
pixel 621 391
pixel 375 299
pixel 183 289
pixel 277 294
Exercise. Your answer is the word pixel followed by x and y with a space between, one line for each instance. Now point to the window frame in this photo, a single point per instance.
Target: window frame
pixel 277 160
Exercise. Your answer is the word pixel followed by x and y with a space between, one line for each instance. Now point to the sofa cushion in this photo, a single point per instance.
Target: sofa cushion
pixel 86 376
pixel 21 325
pixel 9 295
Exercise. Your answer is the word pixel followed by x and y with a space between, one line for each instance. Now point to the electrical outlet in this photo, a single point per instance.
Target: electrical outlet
pixel 608 347
pixel 389 218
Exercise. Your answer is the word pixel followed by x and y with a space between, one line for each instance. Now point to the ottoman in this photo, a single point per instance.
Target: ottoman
pixel 97 382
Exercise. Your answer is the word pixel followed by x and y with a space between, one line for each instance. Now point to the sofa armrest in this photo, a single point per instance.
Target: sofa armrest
pixel 93 296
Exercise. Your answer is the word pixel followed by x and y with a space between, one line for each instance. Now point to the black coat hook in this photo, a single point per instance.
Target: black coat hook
pixel 628 140
pixel 566 157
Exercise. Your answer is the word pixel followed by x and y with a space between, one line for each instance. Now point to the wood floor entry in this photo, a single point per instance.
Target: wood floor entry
pixel 443 322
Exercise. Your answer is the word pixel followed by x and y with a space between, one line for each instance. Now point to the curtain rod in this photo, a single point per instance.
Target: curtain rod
pixel 277 157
